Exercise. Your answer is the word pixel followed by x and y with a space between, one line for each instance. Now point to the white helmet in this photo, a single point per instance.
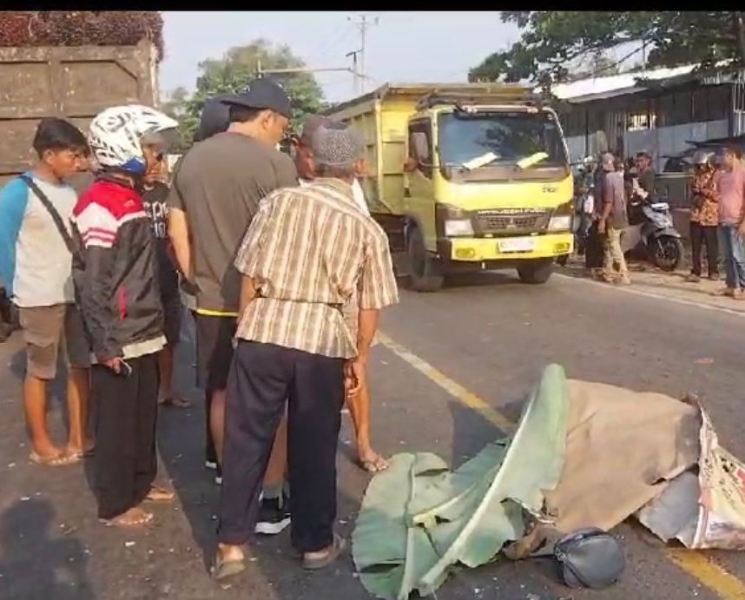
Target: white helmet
pixel 116 135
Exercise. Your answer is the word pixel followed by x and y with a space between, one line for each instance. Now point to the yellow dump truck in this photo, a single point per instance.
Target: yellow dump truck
pixel 465 177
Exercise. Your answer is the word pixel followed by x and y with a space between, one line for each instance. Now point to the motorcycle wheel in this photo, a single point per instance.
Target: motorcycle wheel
pixel 666 252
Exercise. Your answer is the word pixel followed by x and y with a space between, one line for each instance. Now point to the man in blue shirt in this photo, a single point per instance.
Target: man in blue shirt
pixel 36 269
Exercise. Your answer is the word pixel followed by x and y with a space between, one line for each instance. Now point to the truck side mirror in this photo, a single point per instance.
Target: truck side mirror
pixel 421 146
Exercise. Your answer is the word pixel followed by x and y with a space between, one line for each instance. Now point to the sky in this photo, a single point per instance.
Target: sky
pixel 403 47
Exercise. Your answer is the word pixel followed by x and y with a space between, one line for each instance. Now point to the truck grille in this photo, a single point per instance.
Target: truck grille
pixel 511 221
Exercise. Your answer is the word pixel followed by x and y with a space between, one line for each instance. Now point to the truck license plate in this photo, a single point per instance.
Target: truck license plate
pixel 517 245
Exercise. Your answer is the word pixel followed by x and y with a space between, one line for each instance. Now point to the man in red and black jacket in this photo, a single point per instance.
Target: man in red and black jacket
pixel 117 286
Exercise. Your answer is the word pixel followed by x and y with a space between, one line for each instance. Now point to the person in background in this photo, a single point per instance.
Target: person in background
pixel 612 221
pixel 117 284
pixel 36 268
pixel 154 194
pixel 307 252
pixel 704 217
pixel 645 177
pixel 731 188
pixel 359 406
pixel 214 196
pixel 594 241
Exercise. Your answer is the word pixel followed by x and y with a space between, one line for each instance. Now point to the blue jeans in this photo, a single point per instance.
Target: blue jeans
pixel 733 252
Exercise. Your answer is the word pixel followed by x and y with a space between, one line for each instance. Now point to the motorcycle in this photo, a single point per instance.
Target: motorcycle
pixel 654 234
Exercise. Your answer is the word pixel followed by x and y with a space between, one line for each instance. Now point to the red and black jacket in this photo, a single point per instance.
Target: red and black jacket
pixel 116 280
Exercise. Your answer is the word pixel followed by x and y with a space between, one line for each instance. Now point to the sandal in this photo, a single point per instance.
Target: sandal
pixel 222 569
pixel 159 494
pixel 338 546
pixel 175 402
pixel 63 459
pixel 126 519
pixel 376 465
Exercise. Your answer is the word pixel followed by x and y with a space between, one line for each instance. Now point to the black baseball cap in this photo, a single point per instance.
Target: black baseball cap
pixel 215 119
pixel 262 93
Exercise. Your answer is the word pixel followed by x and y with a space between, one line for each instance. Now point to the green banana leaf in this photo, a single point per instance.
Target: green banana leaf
pixel 531 464
pixel 389 555
pixel 418 519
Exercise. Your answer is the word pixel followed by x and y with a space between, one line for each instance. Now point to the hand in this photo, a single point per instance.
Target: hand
pixel 741 230
pixel 355 375
pixel 601 226
pixel 116 364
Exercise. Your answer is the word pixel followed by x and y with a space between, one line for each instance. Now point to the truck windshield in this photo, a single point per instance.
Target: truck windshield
pixel 503 137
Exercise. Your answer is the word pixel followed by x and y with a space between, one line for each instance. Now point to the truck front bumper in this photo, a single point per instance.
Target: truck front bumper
pixel 509 250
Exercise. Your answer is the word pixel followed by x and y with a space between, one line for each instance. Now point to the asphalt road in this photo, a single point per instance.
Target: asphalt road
pixel 489 334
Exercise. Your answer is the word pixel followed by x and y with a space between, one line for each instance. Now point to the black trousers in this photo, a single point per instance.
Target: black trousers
pixel 704 235
pixel 594 250
pixel 125 462
pixel 262 378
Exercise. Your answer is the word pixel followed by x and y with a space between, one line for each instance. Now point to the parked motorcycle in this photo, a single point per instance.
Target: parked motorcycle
pixel 654 234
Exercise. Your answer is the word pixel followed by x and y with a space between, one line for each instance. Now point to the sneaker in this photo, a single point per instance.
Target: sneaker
pixel 274 515
pixel 218 479
pixel 714 277
pixel 209 464
pixel 623 280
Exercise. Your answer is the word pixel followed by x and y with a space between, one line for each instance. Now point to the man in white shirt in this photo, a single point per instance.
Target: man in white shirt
pixel 359 406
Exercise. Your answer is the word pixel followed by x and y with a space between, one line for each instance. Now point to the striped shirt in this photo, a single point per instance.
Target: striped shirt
pixel 308 249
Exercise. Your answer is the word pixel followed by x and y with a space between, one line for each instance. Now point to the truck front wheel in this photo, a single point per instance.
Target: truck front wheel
pixel 536 271
pixel 426 273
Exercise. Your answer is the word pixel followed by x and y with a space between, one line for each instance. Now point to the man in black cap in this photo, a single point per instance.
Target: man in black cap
pixel 215 194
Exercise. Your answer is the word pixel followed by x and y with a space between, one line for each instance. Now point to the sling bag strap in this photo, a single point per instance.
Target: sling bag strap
pixel 55 217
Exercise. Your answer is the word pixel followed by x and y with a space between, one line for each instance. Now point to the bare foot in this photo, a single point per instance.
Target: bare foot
pixel 371 461
pixel 134 517
pixel 229 560
pixel 159 494
pixel 58 459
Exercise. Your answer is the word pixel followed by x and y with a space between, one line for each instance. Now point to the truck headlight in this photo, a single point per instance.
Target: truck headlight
pixel 560 223
pixel 458 227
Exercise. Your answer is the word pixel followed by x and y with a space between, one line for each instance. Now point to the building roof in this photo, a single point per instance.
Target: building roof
pixel 595 88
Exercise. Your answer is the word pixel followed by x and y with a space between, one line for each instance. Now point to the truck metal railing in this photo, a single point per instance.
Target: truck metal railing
pixel 506 97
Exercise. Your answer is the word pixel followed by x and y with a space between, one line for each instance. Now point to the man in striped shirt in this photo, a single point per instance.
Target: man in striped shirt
pixel 306 252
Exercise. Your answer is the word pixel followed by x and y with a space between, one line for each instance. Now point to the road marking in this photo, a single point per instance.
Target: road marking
pixel 696 564
pixel 638 292
pixel 456 390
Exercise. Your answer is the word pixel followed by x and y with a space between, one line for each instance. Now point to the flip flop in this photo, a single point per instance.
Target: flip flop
pixel 374 466
pixel 314 564
pixel 175 402
pixel 221 569
pixel 146 519
pixel 160 495
pixel 60 460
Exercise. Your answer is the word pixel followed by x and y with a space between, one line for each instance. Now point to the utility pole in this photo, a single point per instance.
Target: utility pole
pixel 363 24
pixel 356 79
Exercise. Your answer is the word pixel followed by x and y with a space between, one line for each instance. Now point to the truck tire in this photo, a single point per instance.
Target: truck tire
pixel 426 273
pixel 536 271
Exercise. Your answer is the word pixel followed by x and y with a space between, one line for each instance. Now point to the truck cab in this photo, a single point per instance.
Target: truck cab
pixel 485 181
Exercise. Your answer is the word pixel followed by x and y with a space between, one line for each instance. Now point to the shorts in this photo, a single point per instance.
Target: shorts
pixel 172 310
pixel 45 330
pixel 214 351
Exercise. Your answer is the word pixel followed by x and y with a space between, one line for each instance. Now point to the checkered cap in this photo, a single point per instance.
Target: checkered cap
pixel 336 145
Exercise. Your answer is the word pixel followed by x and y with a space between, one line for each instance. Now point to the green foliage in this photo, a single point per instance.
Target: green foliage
pixel 233 71
pixel 552 40
pixel 418 519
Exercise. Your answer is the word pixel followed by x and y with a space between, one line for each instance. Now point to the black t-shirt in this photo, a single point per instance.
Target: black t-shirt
pixel 154 198
pixel 646 182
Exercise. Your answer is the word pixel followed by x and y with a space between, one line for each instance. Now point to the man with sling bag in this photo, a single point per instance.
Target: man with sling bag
pixel 36 253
